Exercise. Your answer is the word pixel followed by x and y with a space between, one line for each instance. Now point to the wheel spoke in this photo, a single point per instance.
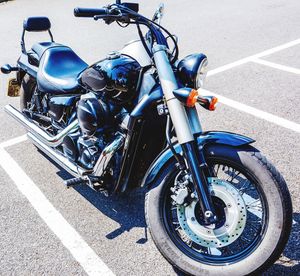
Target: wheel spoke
pixel 255 226
pixel 245 186
pixel 226 250
pixel 243 238
pixel 216 172
pixel 254 206
pixel 232 175
pixel 252 202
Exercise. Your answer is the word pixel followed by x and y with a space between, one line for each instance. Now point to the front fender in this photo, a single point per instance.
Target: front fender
pixel 209 137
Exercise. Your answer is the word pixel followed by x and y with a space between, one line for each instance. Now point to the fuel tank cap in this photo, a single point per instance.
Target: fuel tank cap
pixel 113 55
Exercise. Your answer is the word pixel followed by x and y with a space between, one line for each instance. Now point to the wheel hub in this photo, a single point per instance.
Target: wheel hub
pixel 215 235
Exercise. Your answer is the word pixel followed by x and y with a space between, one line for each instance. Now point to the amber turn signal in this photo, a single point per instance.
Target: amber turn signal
pixel 189 97
pixel 192 98
pixel 213 103
pixel 208 102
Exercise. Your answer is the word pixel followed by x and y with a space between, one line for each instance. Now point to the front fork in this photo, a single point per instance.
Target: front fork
pixel 185 124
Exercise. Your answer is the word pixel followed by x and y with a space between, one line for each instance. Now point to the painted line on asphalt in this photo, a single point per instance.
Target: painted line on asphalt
pixel 80 250
pixel 250 58
pixel 277 66
pixel 69 237
pixel 13 141
pixel 255 112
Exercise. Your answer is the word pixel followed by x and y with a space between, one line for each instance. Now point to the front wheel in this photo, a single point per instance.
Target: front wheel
pixel 253 207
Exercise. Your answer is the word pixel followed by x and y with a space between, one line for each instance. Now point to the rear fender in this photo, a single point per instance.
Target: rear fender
pixel 26 67
pixel 210 137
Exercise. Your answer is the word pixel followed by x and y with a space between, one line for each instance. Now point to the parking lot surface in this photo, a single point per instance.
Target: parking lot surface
pixel 253 49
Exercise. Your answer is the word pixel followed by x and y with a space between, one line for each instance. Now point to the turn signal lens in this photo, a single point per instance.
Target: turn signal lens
pixel 213 103
pixel 192 98
pixel 208 102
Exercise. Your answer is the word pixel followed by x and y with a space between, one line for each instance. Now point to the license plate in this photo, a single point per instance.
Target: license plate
pixel 13 89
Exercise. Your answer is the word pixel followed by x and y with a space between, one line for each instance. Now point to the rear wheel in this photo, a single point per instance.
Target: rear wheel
pixel 254 212
pixel 26 92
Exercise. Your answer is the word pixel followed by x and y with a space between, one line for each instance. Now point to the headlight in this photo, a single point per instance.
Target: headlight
pixel 192 70
pixel 201 74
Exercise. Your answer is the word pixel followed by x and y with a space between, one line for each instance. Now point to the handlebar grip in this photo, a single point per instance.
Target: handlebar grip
pixel 89 12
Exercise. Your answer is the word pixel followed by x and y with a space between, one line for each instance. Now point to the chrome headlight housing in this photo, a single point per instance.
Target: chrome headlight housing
pixel 192 70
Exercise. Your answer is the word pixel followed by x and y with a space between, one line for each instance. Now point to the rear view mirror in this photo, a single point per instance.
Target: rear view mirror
pixel 159 13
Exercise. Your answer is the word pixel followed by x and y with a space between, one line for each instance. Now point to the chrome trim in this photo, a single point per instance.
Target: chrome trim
pixel 169 84
pixel 73 168
pixel 193 120
pixel 107 154
pixel 47 144
pixel 61 160
pixel 33 128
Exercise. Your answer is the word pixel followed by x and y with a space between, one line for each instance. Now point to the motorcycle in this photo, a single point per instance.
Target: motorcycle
pixel 214 204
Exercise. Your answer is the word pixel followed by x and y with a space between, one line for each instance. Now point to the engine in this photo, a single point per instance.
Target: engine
pixel 98 121
pixel 93 114
pixel 114 81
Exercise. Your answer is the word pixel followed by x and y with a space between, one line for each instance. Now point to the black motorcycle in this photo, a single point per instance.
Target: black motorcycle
pixel 215 205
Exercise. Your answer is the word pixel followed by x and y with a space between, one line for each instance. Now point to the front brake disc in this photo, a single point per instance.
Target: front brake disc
pixel 216 236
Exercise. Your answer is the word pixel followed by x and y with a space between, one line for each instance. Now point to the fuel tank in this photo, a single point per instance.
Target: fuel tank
pixel 117 76
pixel 136 49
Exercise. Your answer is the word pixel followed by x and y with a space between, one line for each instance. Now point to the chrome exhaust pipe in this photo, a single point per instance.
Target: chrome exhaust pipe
pixel 47 143
pixel 107 153
pixel 52 141
pixel 61 160
pixel 71 167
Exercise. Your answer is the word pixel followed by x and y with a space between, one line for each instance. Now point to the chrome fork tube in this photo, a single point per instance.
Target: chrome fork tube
pixel 186 125
pixel 193 120
pixel 168 83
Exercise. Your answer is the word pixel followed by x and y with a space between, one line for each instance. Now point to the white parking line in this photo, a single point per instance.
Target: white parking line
pixel 80 250
pixel 250 58
pixel 70 238
pixel 255 112
pixel 277 66
pixel 14 141
pixel 251 110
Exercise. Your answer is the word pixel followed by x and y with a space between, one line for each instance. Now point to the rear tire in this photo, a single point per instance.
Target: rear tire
pixel 26 91
pixel 278 203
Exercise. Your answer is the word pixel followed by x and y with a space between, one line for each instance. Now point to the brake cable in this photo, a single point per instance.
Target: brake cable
pixel 138 16
pixel 169 142
pixel 143 40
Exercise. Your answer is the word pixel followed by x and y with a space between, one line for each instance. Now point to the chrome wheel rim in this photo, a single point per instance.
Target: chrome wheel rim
pixel 254 226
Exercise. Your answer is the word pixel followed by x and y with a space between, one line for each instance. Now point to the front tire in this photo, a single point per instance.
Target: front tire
pixel 271 240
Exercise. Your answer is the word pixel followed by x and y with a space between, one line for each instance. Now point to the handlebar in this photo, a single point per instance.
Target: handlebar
pixel 127 13
pixel 89 12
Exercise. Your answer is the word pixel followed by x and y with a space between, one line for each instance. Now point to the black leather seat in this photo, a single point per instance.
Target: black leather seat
pixel 40 48
pixel 59 69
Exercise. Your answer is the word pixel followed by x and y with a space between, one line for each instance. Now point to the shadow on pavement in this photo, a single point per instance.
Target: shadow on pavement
pixel 289 262
pixel 128 211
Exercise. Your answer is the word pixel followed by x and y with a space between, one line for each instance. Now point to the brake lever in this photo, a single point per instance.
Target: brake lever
pixel 109 18
pixel 97 17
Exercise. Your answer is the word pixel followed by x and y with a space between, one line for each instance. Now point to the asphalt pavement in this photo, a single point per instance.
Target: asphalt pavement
pixel 114 228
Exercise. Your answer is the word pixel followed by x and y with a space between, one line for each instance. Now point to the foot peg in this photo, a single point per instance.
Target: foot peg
pixel 75 181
